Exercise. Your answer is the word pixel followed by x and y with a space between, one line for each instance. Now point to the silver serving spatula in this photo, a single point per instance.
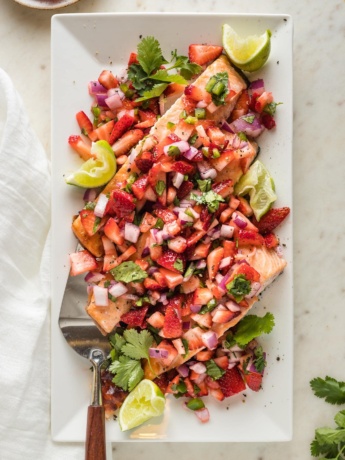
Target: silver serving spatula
pixel 84 337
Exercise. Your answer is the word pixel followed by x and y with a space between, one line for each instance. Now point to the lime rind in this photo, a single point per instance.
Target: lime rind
pixel 97 171
pixel 259 185
pixel 249 53
pixel 143 403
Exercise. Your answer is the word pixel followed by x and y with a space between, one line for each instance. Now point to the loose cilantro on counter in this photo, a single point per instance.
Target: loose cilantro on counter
pixel 329 443
pixel 128 272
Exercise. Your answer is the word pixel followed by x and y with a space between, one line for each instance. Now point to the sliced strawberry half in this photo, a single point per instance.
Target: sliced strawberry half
pixel 253 380
pixel 90 222
pixel 139 187
pixel 120 127
pixel 82 148
pixel 201 54
pixel 172 327
pixel 135 318
pixel 172 261
pixel 82 262
pixel 185 189
pixel 231 382
pixel 166 215
pixel 271 219
pixel 121 203
pixel 144 162
pixel 108 80
pixel 182 167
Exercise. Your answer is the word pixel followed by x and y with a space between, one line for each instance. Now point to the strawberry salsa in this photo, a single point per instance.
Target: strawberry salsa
pixel 167 242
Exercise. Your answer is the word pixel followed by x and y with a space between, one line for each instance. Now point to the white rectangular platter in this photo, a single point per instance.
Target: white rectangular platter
pixel 82 46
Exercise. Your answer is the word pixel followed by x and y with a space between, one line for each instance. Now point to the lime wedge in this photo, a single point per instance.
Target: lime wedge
pixel 259 185
pixel 144 402
pixel 95 171
pixel 248 53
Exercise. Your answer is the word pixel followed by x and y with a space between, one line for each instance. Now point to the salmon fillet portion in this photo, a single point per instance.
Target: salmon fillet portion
pixel 269 265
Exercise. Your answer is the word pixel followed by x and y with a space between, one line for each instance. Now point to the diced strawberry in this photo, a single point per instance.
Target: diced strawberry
pixel 167 215
pixel 144 162
pixel 156 320
pixel 172 327
pixel 190 388
pixel 82 148
pixel 198 157
pixel 143 264
pixel 121 203
pixel 178 244
pixel 248 237
pixel 173 228
pixel 82 262
pixel 133 59
pixel 267 120
pixel 202 296
pixel 190 285
pixel 201 54
pixel 231 382
pixel 193 337
pixel 108 80
pixel 147 119
pixel 253 380
pixel 224 160
pixel 172 261
pixel 249 272
pixel 162 382
pixel 212 383
pixel 113 232
pixel 195 237
pixel 127 141
pixel 139 186
pixel 152 285
pixel 201 251
pixel 172 353
pixel 178 344
pixel 148 222
pixel 197 94
pixel 185 189
pixel 223 188
pixel 156 251
pixel 229 248
pixel 271 219
pixel 120 127
pixel 242 106
pixel 135 317
pixel 202 320
pixel 216 393
pixel 213 261
pixel 173 279
pixel 182 167
pixel 261 102
pixel 90 221
pixel 84 123
pixel 223 316
pixel 222 362
pixel 103 131
pixel 271 240
pixel 204 355
pixel 216 136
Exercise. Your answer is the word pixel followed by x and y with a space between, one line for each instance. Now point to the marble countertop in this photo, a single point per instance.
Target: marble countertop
pixel 319 174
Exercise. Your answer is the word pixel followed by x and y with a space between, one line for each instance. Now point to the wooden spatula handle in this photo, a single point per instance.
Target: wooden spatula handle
pixel 95 434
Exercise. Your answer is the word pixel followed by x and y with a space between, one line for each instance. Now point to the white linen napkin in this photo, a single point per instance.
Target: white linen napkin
pixel 24 289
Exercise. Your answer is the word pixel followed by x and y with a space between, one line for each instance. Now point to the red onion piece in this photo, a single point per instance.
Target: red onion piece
pixel 94 277
pixel 113 102
pixel 163 299
pixel 254 289
pixel 185 325
pixel 225 262
pixel 227 127
pixel 101 205
pixel 184 217
pixel 206 171
pixel 203 414
pixel 152 270
pixel 199 368
pixel 224 282
pixel 146 251
pixel 201 105
pixel 233 306
pixel 158 353
pixel 100 100
pixel 130 297
pixel 183 370
pixel 177 179
pixel 185 204
pixel 95 87
pixel 226 231
pixel 91 194
pixel 253 129
pixel 190 154
pixel 118 289
pixel 117 91
pixel 183 146
pixel 210 340
pixel 132 232
pixel 231 365
pixel 200 264
pixel 257 86
pixel 195 308
pixel 101 296
pixel 239 221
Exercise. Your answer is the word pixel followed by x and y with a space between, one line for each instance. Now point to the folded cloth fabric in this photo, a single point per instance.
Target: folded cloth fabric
pixel 24 289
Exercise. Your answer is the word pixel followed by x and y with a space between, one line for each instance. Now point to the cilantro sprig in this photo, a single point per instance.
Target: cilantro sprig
pixel 210 198
pixel 149 78
pixel 126 354
pixel 329 443
pixel 252 326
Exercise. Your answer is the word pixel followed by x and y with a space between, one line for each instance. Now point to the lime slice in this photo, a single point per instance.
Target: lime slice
pixel 248 53
pixel 95 171
pixel 259 185
pixel 144 402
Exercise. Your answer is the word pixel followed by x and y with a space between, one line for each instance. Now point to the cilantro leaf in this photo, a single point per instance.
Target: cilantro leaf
pixel 330 389
pixel 150 54
pixel 248 118
pixel 259 361
pixel 162 75
pixel 187 69
pixel 252 326
pixel 340 419
pixel 138 344
pixel 178 264
pixel 160 187
pixel 117 341
pixel 128 373
pixel 210 198
pixel 204 185
pixel 214 371
pixel 138 78
pixel 239 287
pixel 156 91
pixel 128 272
